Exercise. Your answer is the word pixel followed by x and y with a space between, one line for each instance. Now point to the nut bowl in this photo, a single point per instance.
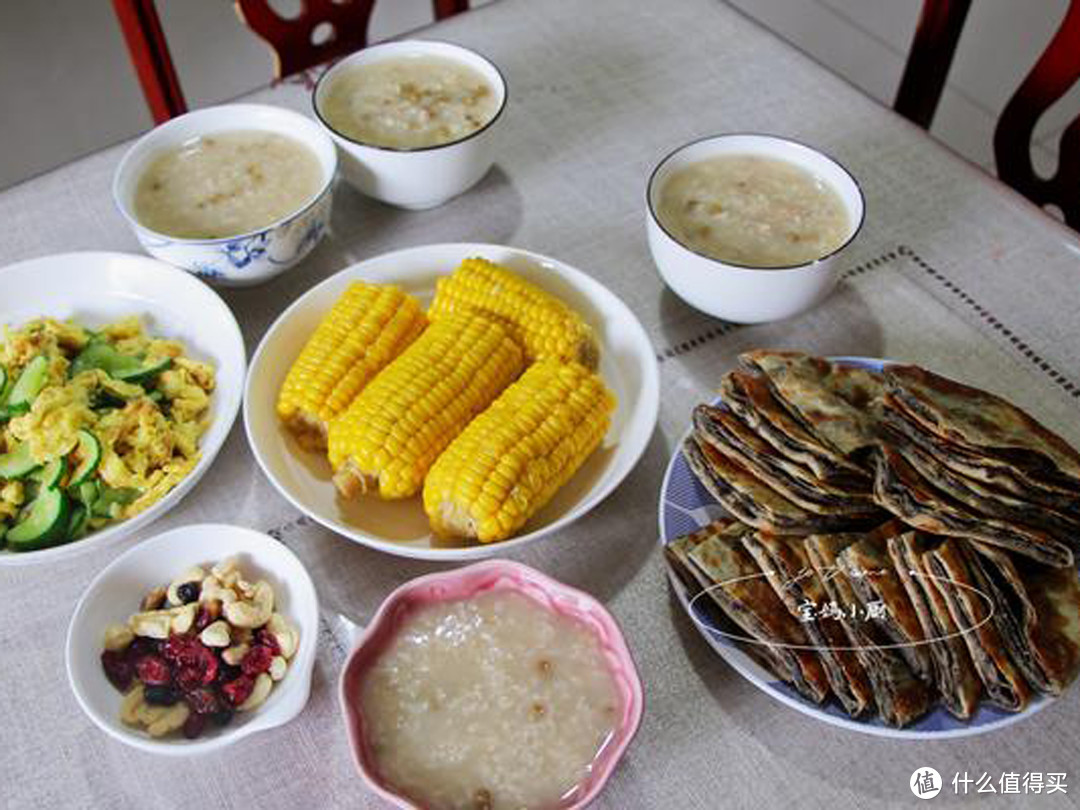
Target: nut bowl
pixel 115 594
pixel 463 583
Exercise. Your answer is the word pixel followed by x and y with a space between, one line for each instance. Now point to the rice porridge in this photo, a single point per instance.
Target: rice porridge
pixel 409 102
pixel 487 703
pixel 226 184
pixel 752 210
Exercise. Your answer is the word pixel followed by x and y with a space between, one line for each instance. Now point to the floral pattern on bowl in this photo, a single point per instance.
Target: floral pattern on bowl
pixel 464 583
pixel 249 259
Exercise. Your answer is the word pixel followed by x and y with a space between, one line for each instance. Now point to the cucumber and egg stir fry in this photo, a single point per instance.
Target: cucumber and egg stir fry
pixel 95 427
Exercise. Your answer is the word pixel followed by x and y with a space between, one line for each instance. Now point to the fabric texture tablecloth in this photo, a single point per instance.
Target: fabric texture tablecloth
pixel 952 271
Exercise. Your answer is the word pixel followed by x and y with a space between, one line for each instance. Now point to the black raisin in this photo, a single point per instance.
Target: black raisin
pixel 222 718
pixel 160 695
pixel 188 592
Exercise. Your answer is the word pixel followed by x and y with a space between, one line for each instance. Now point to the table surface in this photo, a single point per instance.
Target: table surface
pixel 952 270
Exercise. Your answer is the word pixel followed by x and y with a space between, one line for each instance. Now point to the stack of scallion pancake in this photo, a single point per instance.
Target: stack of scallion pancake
pixel 896 540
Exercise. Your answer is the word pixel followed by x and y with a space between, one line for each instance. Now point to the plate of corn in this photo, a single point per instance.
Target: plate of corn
pixel 452 401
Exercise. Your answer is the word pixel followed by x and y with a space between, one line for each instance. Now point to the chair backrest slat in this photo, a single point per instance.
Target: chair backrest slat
pixel 1057 70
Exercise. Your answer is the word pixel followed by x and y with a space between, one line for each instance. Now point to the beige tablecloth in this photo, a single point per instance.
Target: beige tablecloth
pixel 952 271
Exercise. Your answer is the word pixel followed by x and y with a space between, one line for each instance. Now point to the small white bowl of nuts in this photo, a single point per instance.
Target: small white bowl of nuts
pixel 195 639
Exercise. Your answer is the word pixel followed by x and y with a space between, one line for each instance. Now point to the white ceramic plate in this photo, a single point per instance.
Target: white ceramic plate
pixel 685 505
pixel 115 594
pixel 96 288
pixel 627 364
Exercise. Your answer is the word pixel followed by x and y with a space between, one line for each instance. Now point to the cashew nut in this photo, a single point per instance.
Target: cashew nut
pixel 154 599
pixel 278 667
pixel 254 613
pixel 194 574
pixel 183 618
pixel 129 706
pixel 234 656
pixel 227 571
pixel 286 636
pixel 173 718
pixel 216 635
pixel 212 590
pixel 152 624
pixel 263 684
pixel 118 637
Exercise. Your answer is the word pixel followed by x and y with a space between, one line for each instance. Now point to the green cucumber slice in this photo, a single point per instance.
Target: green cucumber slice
pixel 99 354
pixel 44 523
pixel 108 497
pixel 18 463
pixel 51 474
pixel 79 522
pixel 89 455
pixel 29 385
pixel 86 493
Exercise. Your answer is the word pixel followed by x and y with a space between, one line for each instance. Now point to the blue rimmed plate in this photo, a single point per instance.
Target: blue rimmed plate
pixel 685 506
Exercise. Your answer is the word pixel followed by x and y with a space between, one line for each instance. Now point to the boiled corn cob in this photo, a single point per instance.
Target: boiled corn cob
pixel 511 459
pixel 388 438
pixel 368 326
pixel 544 325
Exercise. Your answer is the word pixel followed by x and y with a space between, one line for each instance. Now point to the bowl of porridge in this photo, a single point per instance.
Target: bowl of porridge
pixel 235 194
pixel 748 227
pixel 414 121
pixel 490 687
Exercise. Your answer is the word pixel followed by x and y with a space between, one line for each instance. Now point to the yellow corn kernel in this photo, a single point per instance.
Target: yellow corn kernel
pixel 388 438
pixel 510 460
pixel 544 325
pixel 368 326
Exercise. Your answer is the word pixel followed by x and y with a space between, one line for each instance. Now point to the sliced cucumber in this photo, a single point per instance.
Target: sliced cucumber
pixel 108 498
pixel 18 463
pixel 44 522
pixel 3 382
pixel 89 455
pixel 99 354
pixel 51 474
pixel 29 385
pixel 79 522
pixel 86 493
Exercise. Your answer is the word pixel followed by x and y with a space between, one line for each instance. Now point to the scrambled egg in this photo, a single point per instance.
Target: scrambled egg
pixel 148 430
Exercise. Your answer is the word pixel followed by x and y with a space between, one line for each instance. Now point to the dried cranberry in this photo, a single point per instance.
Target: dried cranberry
pixel 257 660
pixel 239 690
pixel 188 679
pixel 194 725
pixel 203 619
pixel 202 701
pixel 208 661
pixel 160 695
pixel 182 650
pixel 118 669
pixel 266 639
pixel 153 671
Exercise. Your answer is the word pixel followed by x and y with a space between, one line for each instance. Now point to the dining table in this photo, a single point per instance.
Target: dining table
pixel 951 270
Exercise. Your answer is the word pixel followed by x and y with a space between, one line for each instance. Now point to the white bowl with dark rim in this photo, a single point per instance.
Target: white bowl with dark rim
pixel 247 258
pixel 736 292
pixel 422 177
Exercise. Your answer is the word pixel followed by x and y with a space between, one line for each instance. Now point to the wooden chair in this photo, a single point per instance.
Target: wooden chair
pixel 324 30
pixel 1055 72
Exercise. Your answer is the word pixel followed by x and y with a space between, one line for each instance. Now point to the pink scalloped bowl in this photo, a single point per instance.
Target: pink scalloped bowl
pixel 464 583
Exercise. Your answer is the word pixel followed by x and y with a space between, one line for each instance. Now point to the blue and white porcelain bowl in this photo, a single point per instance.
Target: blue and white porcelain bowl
pixel 246 258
